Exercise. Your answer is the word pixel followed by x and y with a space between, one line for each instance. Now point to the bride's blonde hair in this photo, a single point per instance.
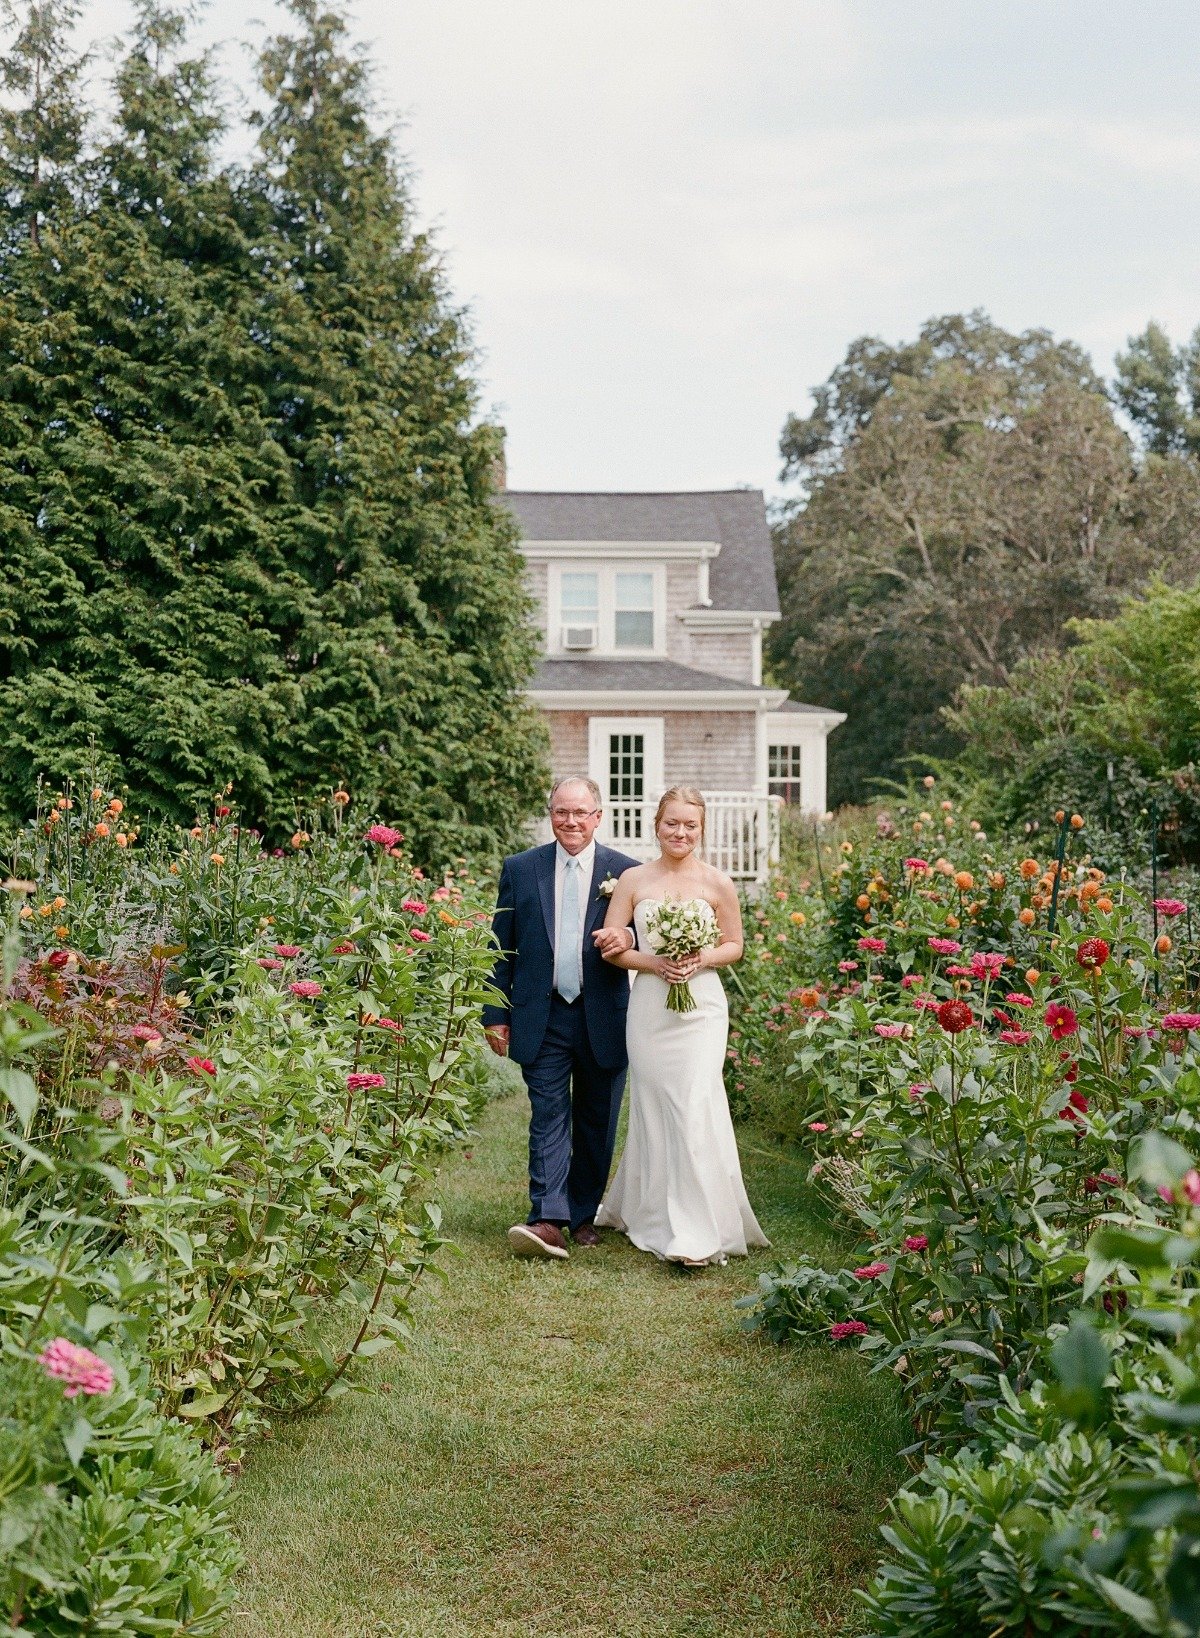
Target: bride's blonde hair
pixel 682 793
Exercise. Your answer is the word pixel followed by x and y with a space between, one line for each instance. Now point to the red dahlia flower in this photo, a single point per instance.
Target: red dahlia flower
pixel 202 1066
pixel 1092 954
pixel 955 1016
pixel 1077 1105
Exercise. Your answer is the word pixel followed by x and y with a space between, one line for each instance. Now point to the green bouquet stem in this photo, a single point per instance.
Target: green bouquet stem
pixel 680 997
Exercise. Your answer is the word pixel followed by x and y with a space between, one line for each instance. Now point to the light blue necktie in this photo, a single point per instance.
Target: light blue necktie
pixel 566 957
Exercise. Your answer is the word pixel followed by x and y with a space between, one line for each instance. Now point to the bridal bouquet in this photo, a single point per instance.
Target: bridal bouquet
pixel 676 929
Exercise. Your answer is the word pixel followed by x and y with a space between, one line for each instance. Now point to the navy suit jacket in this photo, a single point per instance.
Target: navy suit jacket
pixel 523 928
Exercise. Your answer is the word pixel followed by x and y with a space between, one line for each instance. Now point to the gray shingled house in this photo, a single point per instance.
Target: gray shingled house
pixel 653 608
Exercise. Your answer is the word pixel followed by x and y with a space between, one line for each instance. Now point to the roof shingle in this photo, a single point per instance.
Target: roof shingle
pixel 742 576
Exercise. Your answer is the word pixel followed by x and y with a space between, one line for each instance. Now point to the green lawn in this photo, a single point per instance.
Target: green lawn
pixel 569 1450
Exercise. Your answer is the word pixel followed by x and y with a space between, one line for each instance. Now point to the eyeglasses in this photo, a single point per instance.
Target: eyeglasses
pixel 563 814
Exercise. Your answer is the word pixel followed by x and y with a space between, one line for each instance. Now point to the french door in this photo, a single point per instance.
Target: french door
pixel 625 758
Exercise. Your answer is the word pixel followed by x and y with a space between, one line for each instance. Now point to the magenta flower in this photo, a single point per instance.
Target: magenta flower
pixel 389 1023
pixel 307 988
pixel 987 965
pixel 421 936
pixel 1170 907
pixel 344 948
pixel 365 1081
pixel 873 946
pixel 414 907
pixel 944 946
pixel 1015 1037
pixel 917 1091
pixel 870 1271
pixel 916 1242
pixel 1060 1020
pixel 1190 1185
pixel 847 1328
pixel 818 1126
pixel 287 951
pixel 1181 1020
pixel 917 866
pixel 81 1369
pixel 926 1003
pixel 384 836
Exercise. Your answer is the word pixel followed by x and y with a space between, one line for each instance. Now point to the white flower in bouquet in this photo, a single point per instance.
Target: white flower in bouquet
pixel 678 928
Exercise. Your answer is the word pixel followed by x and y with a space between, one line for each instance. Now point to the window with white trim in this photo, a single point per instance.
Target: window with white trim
pixel 625 606
pixel 633 610
pixel 783 772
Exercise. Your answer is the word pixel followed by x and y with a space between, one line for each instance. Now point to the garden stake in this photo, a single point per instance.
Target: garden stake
pixel 1059 855
pixel 1154 893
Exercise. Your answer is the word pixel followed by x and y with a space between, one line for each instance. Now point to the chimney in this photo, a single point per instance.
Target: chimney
pixel 499 464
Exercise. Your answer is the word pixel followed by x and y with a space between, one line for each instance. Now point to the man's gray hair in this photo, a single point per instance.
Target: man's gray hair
pixel 575 779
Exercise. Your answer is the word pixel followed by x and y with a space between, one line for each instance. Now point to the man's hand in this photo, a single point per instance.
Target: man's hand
pixel 497 1038
pixel 612 941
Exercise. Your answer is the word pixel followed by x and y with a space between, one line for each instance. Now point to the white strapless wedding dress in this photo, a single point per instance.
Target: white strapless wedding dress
pixel 678 1190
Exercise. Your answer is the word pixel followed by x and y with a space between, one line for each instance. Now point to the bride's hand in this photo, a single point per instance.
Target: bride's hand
pixel 679 969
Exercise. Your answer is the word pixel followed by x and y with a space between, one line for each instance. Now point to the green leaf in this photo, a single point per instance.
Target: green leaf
pixel 1158 1160
pixel 204 1404
pixel 77 1438
pixel 1130 1603
pixel 1080 1360
pixel 22 1093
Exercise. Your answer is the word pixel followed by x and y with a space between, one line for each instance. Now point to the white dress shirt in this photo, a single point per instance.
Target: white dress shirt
pixel 587 860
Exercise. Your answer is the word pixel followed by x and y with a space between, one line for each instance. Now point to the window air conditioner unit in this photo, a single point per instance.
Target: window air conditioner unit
pixel 578 637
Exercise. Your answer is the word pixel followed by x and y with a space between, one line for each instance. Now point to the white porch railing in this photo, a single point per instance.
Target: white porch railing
pixel 741 831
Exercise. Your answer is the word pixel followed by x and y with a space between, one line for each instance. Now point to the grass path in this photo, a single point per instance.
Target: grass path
pixel 588 1450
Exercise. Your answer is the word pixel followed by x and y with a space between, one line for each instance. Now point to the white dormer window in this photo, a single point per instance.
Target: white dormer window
pixel 608 610
pixel 633 611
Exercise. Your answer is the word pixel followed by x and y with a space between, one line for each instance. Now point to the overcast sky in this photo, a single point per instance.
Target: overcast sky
pixel 669 217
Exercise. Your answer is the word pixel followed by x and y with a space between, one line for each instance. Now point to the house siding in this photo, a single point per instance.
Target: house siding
pixel 537 579
pixel 712 749
pixel 723 653
pixel 568 741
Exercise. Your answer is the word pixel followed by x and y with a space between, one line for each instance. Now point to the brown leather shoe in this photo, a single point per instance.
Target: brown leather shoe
pixel 537 1240
pixel 586 1235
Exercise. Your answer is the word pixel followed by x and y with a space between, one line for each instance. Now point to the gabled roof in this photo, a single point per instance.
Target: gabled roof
pixel 741 576
pixel 633 676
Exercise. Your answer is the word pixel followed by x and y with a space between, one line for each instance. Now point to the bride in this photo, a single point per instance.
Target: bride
pixel 678 1191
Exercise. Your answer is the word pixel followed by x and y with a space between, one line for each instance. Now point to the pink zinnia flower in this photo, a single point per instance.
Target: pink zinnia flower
pixel 1016 1000
pixel 817 1126
pixel 1170 907
pixel 421 936
pixel 81 1369
pixel 146 1032
pixel 1060 1020
pixel 890 1032
pixel 308 988
pixel 944 946
pixel 389 1023
pixel 414 907
pixel 926 1003
pixel 847 966
pixel 287 951
pixel 384 836
pixel 916 1242
pixel 201 1066
pixel 364 1081
pixel 912 981
pixel 270 963
pixel 1015 1037
pixel 847 1328
pixel 957 970
pixel 1190 1185
pixel 870 1271
pixel 917 866
pixel 873 946
pixel 1181 1020
pixel 986 965
pixel 917 1091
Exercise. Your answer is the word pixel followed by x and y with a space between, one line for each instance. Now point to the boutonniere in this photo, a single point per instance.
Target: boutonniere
pixel 605 890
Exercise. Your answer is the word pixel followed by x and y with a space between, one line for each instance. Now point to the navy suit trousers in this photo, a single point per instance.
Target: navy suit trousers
pixel 574 1105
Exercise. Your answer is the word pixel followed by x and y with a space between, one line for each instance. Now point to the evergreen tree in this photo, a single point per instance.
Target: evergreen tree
pixel 247 528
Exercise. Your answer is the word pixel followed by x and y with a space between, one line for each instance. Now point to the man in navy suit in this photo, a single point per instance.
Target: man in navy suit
pixel 563 1015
